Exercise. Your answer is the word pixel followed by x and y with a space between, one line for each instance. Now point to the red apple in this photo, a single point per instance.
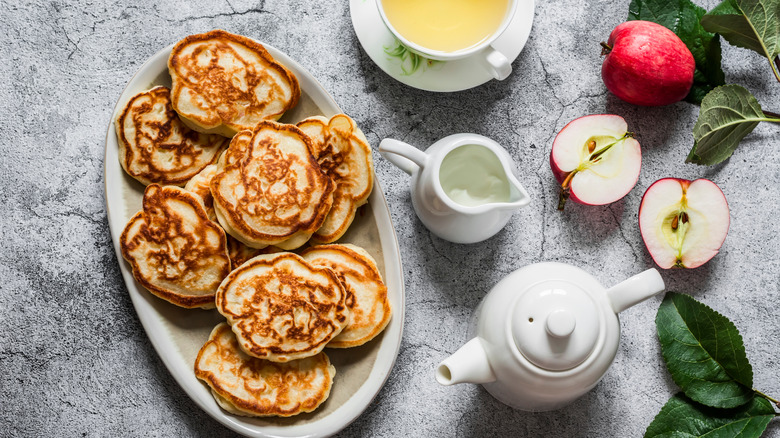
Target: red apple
pixel 595 160
pixel 647 64
pixel 683 223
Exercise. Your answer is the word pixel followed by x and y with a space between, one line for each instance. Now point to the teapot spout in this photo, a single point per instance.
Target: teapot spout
pixel 635 290
pixel 467 365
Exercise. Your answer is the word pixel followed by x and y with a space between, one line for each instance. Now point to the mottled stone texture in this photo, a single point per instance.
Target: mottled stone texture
pixel 74 359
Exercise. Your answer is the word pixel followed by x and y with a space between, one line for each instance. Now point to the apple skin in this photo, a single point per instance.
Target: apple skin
pixel 647 64
pixel 601 124
pixel 560 175
pixel 705 203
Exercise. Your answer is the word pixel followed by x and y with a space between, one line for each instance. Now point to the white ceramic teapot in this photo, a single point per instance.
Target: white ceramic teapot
pixel 463 186
pixel 545 335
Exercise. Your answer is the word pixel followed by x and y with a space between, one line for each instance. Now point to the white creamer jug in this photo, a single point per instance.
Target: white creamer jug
pixel 545 335
pixel 463 186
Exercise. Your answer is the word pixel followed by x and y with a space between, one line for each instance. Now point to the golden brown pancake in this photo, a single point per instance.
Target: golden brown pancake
pixel 175 251
pixel 224 83
pixel 281 308
pixel 248 386
pixel 199 185
pixel 367 294
pixel 156 147
pixel 343 153
pixel 240 253
pixel 269 189
pixel 238 145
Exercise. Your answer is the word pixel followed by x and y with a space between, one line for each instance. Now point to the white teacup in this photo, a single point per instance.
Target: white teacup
pixel 496 63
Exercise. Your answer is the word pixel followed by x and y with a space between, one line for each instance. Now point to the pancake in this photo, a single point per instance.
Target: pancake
pixel 366 292
pixel 343 153
pixel 240 253
pixel 269 189
pixel 175 251
pixel 248 386
pixel 224 83
pixel 238 145
pixel 281 308
pixel 156 147
pixel 237 251
pixel 199 185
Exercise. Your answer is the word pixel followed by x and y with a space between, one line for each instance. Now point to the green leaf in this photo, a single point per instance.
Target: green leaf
pixel 704 352
pixel 727 115
pixel 683 18
pixel 682 417
pixel 750 24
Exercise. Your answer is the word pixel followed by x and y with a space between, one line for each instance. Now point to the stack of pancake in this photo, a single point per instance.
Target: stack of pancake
pixel 253 189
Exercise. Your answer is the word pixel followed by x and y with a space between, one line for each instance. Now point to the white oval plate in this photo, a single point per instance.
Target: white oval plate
pixel 177 334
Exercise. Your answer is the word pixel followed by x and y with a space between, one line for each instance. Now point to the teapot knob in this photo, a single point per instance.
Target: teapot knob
pixel 560 323
pixel 555 324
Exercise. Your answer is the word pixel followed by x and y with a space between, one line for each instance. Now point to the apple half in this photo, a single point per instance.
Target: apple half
pixel 595 160
pixel 683 223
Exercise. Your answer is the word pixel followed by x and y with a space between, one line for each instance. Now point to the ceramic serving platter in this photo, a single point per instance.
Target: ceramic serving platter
pixel 177 334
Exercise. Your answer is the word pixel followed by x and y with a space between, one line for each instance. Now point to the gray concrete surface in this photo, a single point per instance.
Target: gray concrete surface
pixel 74 359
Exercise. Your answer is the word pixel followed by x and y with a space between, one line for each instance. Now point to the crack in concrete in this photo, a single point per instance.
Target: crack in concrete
pixel 437 304
pixel 436 250
pixel 547 75
pixel 260 9
pixel 511 124
pixel 102 222
pixel 544 216
pixel 623 234
pixel 415 347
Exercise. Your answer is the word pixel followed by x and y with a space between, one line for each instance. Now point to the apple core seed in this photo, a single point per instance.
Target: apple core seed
pixel 592 158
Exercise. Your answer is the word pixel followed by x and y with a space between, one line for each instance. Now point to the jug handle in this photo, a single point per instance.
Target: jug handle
pixel 404 156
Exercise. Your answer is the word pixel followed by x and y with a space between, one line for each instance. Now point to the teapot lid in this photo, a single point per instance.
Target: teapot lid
pixel 555 325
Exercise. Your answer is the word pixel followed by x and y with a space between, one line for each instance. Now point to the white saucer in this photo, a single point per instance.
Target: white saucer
pixel 418 72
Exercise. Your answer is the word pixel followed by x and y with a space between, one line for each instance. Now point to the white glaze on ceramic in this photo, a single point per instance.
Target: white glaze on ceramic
pixel 545 335
pixel 442 76
pixel 441 214
pixel 496 63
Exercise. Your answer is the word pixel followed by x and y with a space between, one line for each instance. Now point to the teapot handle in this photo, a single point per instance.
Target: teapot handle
pixel 635 290
pixel 404 156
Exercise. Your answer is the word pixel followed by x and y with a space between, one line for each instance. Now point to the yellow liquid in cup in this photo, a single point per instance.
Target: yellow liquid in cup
pixel 446 25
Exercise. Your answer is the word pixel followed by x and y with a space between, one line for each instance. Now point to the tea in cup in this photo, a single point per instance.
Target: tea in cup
pixel 446 30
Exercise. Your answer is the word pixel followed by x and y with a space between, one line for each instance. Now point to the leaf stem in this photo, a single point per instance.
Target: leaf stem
pixel 777 63
pixel 772 115
pixel 776 402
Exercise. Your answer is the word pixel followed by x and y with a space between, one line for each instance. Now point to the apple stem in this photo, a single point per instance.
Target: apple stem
pixel 605 48
pixel 564 195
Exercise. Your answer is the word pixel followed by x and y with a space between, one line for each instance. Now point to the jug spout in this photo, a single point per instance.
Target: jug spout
pixel 518 195
pixel 635 290
pixel 467 365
